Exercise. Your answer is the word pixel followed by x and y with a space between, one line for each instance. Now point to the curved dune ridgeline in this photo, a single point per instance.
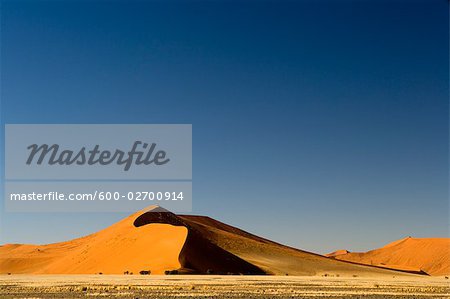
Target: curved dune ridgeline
pixel 199 254
pixel 155 241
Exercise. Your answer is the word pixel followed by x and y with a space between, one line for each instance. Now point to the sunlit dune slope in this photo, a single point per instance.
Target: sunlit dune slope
pixel 430 255
pixel 114 250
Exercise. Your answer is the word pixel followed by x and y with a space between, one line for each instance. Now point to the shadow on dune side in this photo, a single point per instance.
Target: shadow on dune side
pixel 198 253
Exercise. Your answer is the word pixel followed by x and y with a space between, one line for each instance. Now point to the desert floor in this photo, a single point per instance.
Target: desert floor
pixel 205 286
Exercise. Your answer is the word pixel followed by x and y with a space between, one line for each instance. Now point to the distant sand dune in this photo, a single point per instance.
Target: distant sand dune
pixel 157 240
pixel 430 255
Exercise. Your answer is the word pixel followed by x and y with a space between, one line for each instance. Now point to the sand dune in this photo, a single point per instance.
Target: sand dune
pixel 114 250
pixel 430 255
pixel 157 240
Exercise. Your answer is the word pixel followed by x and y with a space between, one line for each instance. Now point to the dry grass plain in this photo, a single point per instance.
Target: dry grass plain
pixel 215 286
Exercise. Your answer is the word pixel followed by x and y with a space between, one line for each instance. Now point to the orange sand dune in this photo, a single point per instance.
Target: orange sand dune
pixel 157 240
pixel 114 250
pixel 430 255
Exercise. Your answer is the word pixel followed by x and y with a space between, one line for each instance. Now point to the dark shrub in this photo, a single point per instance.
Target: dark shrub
pixel 171 272
pixel 145 272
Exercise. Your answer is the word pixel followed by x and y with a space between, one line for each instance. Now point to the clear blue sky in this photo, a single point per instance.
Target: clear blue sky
pixel 318 124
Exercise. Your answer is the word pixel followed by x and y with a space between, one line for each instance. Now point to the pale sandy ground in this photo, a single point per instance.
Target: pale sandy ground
pixel 204 286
